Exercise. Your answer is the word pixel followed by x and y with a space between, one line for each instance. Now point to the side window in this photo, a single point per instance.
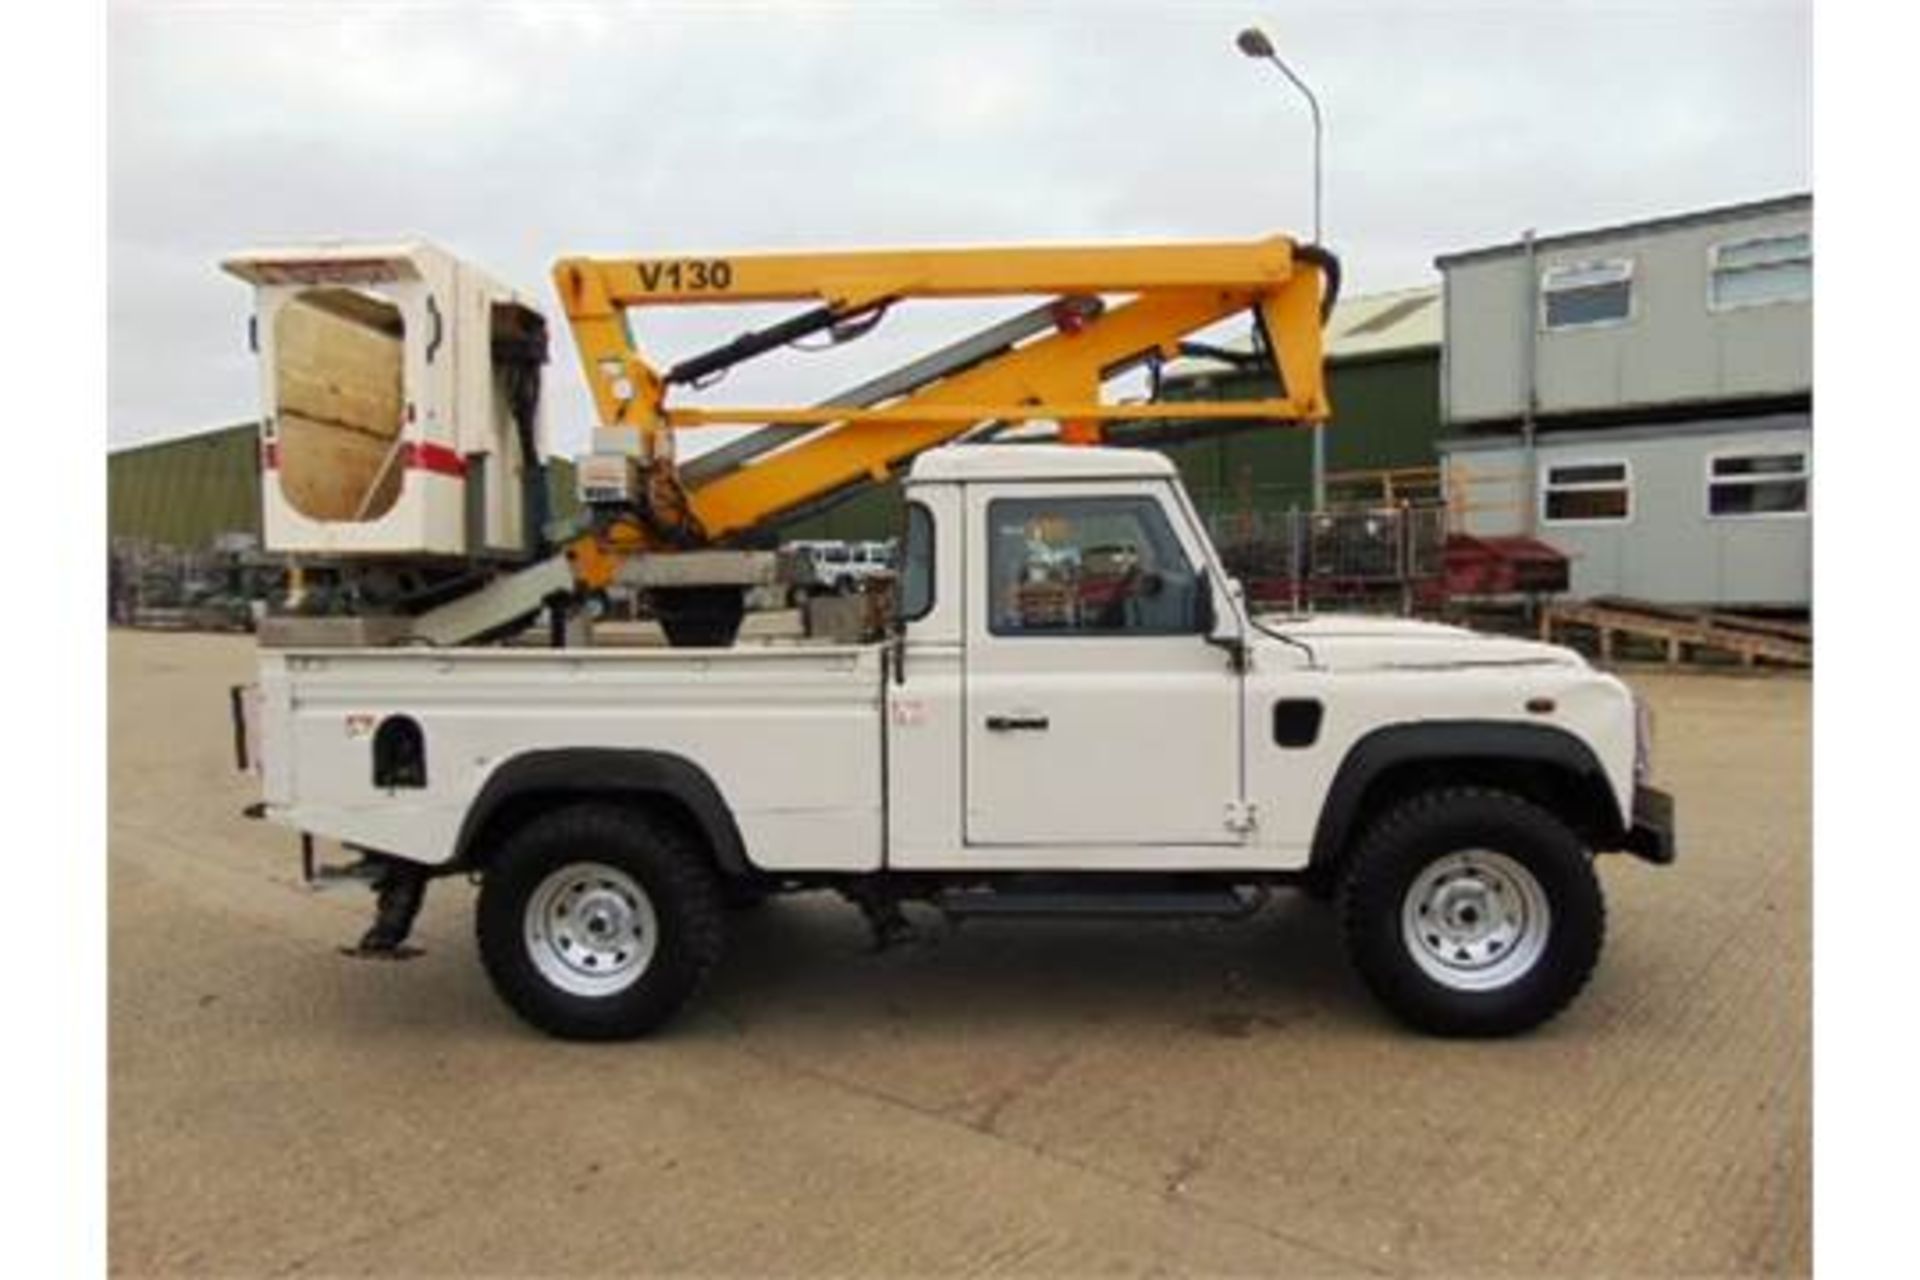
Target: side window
pixel 1765 269
pixel 1586 295
pixel 1757 484
pixel 916 569
pixel 1087 566
pixel 1586 493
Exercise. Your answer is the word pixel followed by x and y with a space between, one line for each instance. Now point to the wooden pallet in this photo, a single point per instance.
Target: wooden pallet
pixel 1732 621
pixel 1750 640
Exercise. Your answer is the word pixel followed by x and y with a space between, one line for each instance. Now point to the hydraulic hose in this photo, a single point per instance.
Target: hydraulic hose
pixel 1329 265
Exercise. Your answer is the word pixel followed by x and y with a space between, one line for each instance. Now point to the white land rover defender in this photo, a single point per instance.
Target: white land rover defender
pixel 1075 714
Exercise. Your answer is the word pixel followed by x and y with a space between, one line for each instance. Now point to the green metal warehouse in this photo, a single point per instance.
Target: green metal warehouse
pixel 1383 376
pixel 187 491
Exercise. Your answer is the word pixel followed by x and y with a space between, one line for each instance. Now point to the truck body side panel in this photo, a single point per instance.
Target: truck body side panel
pixel 1289 785
pixel 789 737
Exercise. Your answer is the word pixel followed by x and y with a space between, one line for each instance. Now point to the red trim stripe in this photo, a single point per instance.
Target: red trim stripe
pixel 437 458
pixel 414 456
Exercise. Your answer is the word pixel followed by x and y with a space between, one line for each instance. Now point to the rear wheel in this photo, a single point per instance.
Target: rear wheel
pixel 741 895
pixel 1472 912
pixel 598 922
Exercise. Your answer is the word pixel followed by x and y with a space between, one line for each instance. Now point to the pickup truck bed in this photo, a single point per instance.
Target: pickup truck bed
pixel 789 734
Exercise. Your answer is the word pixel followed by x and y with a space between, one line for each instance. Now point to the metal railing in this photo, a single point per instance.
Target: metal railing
pixel 1384 556
pixel 216 587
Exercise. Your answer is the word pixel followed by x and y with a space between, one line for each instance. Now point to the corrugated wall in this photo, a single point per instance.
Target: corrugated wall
pixel 185 492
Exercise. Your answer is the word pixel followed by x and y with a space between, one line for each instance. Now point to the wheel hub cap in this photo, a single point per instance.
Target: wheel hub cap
pixel 590 929
pixel 1475 920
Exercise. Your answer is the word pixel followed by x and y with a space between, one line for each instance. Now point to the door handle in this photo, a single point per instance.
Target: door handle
pixel 1006 724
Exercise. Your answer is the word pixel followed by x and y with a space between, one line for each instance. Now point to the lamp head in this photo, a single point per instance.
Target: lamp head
pixel 1254 43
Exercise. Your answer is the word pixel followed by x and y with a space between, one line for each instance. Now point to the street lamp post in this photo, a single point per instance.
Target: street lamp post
pixel 1254 43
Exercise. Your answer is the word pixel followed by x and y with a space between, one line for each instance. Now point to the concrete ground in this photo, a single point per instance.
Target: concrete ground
pixel 1039 1098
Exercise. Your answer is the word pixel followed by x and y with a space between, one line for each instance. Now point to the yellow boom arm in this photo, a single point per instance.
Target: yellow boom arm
pixel 1166 292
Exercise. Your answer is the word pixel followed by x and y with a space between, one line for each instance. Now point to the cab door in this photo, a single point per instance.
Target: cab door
pixel 1096 712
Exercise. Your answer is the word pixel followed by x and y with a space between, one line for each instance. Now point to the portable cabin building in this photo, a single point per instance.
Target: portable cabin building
pixel 1640 397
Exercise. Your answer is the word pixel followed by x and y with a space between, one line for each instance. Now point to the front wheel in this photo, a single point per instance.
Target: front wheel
pixel 1471 912
pixel 597 922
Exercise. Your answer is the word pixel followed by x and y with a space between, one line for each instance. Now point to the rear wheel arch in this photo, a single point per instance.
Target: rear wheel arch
pixel 669 787
pixel 1545 765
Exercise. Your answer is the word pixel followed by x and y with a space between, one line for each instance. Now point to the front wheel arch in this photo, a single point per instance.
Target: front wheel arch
pixel 1544 765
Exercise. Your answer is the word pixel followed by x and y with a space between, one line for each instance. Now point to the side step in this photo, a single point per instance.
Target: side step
pixel 1113 904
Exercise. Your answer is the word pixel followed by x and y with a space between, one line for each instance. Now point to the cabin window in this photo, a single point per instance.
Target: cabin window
pixel 1088 566
pixel 1586 492
pixel 1587 294
pixel 916 574
pixel 1749 273
pixel 1757 484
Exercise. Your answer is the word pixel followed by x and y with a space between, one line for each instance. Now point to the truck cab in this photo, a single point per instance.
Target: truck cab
pixel 1063 618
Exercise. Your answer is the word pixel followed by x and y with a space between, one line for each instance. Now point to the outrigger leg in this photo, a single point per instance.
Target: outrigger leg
pixel 399 888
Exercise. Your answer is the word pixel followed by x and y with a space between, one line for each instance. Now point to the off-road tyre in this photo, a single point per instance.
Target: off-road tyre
pixel 1436 844
pixel 652 874
pixel 740 896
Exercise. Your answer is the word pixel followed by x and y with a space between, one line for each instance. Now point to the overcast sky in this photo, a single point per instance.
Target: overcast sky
pixel 516 133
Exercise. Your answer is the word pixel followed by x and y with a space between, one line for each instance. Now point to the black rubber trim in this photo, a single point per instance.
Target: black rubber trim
pixel 237 708
pixel 915 507
pixel 1651 836
pixel 1443 742
pixel 603 771
pixel 399 753
pixel 1296 721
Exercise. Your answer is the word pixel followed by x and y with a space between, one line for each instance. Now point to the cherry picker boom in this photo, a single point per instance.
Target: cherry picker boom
pixel 340 402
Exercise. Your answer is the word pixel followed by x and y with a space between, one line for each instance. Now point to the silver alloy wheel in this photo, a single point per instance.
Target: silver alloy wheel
pixel 1475 920
pixel 590 929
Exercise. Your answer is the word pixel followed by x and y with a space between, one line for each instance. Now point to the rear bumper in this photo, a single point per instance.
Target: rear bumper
pixel 1651 835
